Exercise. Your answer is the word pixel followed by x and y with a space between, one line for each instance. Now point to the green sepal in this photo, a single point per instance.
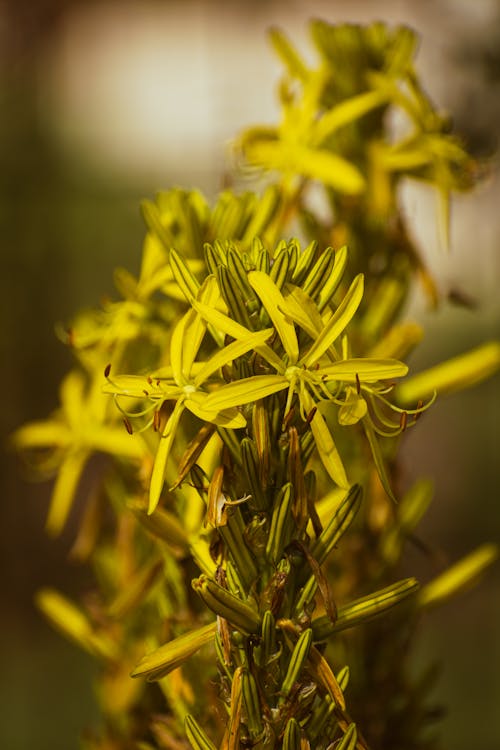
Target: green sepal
pixel 251 704
pixel 364 609
pixel 350 739
pixel 233 538
pixel 250 463
pixel 319 275
pixel 183 276
pixel 282 524
pixel 237 612
pixel 297 661
pixel 196 735
pixel 292 735
pixel 338 525
pixel 233 297
pixel 279 270
pixel 171 655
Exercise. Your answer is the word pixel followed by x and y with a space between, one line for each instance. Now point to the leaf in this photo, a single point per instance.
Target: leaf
pixel 338 322
pixel 272 299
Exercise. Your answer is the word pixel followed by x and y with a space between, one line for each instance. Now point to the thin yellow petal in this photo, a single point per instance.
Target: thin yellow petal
pixel 160 464
pixel 325 444
pixel 236 331
pixel 41 434
pixel 337 323
pixel 164 659
pixel 229 353
pixel 64 490
pixel 366 370
pixel 230 417
pixel 245 391
pixel 274 303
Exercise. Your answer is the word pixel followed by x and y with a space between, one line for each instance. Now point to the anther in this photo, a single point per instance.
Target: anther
pixel 358 384
pixel 311 414
pixel 107 370
pixel 403 420
pixel 128 426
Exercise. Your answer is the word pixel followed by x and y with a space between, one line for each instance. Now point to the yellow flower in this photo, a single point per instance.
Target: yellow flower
pixel 79 428
pixel 183 382
pixel 311 375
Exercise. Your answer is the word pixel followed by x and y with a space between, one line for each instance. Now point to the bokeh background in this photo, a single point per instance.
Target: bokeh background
pixel 103 103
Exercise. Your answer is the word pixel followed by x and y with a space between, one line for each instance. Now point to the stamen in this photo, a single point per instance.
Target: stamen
pixel 311 414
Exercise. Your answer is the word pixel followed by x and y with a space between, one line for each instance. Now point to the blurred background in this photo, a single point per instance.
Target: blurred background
pixel 104 103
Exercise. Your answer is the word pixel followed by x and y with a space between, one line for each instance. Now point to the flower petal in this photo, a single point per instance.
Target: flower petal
pixel 67 480
pixel 366 370
pixel 231 352
pixel 236 331
pixel 273 300
pixel 325 444
pixel 337 322
pixel 245 391
pixel 230 418
pixel 164 659
pixel 160 464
